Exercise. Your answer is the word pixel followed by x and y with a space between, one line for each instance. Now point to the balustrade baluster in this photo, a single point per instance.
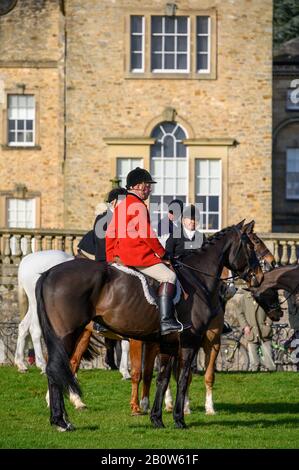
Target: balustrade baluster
pixel 69 244
pixel 293 257
pixel 276 251
pixel 6 249
pixel 284 257
pixel 48 239
pixel 28 239
pixel 38 242
pixel 59 242
pixel 18 252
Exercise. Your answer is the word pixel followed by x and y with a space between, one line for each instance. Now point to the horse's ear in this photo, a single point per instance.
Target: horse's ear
pixel 248 228
pixel 240 224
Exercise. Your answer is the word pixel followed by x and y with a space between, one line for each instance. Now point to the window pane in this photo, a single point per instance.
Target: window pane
pixel 158 188
pixel 214 186
pixel 182 61
pixel 11 137
pixel 12 101
pixel 180 150
pixel 169 61
pixel 29 125
pixel 169 43
pixel 214 203
pixel 168 146
pixel 203 187
pixel 22 101
pixel 157 168
pixel 181 168
pixel 202 200
pixel 156 61
pixel 179 133
pixel 202 168
pixel 202 44
pixel 182 24
pixel 202 61
pixel 30 101
pixel 157 44
pixel 11 125
pixel 20 137
pixel 157 132
pixel 182 44
pixel 156 150
pixel 213 222
pixel 169 168
pixel 181 186
pixel 169 186
pixel 168 127
pixel 169 24
pixel 156 24
pixel 136 24
pixel 20 125
pixel 202 24
pixel 136 43
pixel 214 168
pixel 29 137
pixel 136 61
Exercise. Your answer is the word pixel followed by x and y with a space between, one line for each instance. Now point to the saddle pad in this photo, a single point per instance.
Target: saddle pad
pixel 146 289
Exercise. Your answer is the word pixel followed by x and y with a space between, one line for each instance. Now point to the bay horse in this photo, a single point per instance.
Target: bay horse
pixel 72 294
pixel 211 343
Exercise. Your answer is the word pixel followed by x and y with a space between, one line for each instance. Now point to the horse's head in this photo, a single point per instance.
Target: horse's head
pixel 243 259
pixel 263 253
pixel 269 301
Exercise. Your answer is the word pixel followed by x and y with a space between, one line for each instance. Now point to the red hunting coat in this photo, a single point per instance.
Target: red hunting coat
pixel 130 235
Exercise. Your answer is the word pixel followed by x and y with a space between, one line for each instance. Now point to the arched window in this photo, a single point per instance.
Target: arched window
pixel 169 166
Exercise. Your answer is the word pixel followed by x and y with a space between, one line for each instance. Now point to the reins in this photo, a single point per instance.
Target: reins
pixel 180 263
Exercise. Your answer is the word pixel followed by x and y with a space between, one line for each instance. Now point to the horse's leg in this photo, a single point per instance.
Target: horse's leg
pixel 136 372
pixel 81 346
pixel 124 363
pixel 23 332
pixel 36 334
pixel 189 347
pixel 150 353
pixel 162 383
pixel 168 400
pixel 211 346
pixel 58 414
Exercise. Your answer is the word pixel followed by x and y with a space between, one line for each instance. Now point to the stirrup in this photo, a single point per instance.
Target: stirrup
pixel 98 328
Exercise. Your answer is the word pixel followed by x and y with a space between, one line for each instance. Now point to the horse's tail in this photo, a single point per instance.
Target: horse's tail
pixel 58 368
pixel 22 299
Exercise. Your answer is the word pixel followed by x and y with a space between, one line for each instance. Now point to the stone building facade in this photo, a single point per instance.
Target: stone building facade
pixel 286 138
pixel 90 89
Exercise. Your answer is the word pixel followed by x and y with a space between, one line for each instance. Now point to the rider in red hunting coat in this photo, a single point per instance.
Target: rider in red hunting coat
pixel 131 238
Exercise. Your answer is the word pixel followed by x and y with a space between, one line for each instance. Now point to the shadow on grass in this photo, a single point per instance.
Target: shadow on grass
pixel 275 408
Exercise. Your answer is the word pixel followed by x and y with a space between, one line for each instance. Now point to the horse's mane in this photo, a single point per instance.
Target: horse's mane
pixel 211 240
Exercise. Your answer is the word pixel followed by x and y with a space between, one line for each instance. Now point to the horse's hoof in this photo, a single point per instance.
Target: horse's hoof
pixel 157 423
pixel 180 424
pixel 22 368
pixel 187 411
pixel 168 408
pixel 68 428
pixel 136 412
pixel 210 412
pixel 82 406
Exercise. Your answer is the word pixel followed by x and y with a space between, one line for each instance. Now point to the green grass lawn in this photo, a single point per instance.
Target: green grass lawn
pixel 254 411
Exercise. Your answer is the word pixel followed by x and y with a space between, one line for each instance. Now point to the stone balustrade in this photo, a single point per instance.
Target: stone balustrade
pixel 16 243
pixel 284 246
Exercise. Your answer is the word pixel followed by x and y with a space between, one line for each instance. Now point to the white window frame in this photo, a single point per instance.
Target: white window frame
pixel 289 152
pixel 173 159
pixel 14 114
pixel 207 212
pixel 208 53
pixel 142 34
pixel 175 53
pixel 18 201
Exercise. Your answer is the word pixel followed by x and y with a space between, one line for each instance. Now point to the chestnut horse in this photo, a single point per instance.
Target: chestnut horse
pixel 211 345
pixel 72 294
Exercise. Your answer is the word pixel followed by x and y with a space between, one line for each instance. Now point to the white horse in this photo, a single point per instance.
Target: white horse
pixel 30 268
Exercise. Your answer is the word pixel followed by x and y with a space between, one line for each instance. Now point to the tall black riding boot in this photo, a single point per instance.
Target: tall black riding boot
pixel 169 324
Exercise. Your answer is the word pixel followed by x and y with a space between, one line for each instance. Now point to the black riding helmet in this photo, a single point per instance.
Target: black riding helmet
pixel 138 175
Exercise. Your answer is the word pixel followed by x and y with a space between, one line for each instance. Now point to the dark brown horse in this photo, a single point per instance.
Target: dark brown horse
pixel 211 343
pixel 71 294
